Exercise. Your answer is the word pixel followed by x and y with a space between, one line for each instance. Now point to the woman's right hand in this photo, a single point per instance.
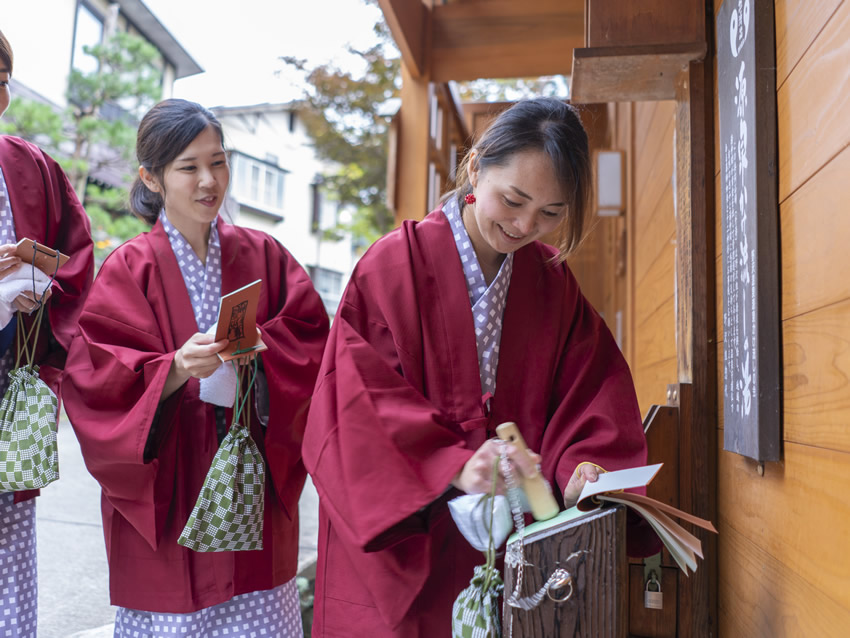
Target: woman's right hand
pixel 9 261
pixel 476 477
pixel 198 356
pixel 195 358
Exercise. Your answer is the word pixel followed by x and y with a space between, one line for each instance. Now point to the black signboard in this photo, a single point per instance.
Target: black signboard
pixel 746 92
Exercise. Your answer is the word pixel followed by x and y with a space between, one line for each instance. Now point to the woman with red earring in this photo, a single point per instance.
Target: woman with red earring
pixel 449 327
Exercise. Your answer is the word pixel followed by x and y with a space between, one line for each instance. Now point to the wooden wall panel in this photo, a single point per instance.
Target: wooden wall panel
pixel 813 105
pixel 654 157
pixel 656 293
pixel 654 255
pixel 798 514
pixel 644 112
pixel 817 378
pixel 815 240
pixel 651 380
pixel 654 229
pixel 656 232
pixel 655 330
pixel 784 536
pixel 798 22
pixel 760 596
pixel 591 269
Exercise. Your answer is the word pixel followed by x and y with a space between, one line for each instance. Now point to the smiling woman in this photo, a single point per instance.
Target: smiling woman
pixel 448 328
pixel 145 395
pixel 193 186
pixel 514 205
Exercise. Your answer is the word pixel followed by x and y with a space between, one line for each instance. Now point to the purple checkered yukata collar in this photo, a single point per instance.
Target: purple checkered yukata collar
pixel 203 281
pixel 7 222
pixel 488 302
pixel 7 236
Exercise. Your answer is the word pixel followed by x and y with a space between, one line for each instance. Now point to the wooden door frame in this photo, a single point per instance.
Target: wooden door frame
pixel 696 331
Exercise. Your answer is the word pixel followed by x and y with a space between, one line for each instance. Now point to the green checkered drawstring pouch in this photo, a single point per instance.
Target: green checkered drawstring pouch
pixel 29 456
pixel 475 613
pixel 228 515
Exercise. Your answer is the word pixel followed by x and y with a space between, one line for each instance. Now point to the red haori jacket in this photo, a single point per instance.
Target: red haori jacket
pixel 46 209
pixel 137 316
pixel 397 412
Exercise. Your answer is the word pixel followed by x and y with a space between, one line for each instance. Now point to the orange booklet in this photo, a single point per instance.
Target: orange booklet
pixel 44 258
pixel 237 322
pixel 682 545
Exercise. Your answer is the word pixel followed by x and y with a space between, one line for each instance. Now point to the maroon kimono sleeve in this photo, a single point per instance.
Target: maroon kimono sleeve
pixel 377 449
pixel 47 210
pixel 116 370
pixel 71 235
pixel 596 416
pixel 296 338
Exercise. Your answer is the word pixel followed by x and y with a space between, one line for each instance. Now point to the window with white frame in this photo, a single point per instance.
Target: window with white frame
pixel 325 211
pixel 257 183
pixel 328 283
pixel 88 33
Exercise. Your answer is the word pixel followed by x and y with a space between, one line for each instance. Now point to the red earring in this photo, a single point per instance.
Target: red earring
pixel 469 198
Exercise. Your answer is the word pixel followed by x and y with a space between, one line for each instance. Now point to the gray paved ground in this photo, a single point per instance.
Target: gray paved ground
pixel 73 596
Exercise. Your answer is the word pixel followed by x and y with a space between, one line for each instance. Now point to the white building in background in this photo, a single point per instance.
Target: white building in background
pixel 274 188
pixel 48 36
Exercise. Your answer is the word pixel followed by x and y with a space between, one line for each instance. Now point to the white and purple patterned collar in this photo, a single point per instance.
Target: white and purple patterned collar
pixel 7 222
pixel 203 281
pixel 476 285
pixel 488 302
pixel 7 236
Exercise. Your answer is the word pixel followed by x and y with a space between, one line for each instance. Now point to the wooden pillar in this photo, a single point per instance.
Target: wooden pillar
pixel 696 394
pixel 411 187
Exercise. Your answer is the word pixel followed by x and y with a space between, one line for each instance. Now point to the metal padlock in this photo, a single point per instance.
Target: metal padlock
pixel 652 596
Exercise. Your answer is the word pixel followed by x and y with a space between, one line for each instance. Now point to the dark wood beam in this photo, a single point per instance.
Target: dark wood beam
pixel 696 335
pixel 408 21
pixel 504 38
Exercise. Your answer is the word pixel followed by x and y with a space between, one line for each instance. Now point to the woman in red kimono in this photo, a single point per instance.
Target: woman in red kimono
pixel 37 202
pixel 449 327
pixel 138 370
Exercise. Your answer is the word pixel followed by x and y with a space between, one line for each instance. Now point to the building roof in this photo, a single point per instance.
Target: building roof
pixel 249 109
pixel 146 22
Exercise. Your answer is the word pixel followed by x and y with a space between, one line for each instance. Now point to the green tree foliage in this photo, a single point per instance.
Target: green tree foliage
pixel 346 116
pixel 106 104
pixel 98 130
pixel 513 89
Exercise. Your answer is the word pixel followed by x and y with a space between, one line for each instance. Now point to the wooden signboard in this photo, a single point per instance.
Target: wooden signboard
pixel 746 93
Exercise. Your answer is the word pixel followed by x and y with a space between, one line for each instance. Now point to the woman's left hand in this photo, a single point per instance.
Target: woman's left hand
pixel 583 473
pixel 9 261
pixel 27 301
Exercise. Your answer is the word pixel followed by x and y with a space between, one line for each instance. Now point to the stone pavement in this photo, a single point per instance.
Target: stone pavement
pixel 73 600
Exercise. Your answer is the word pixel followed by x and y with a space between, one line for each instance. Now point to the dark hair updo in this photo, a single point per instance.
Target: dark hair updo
pixel 6 55
pixel 164 132
pixel 541 124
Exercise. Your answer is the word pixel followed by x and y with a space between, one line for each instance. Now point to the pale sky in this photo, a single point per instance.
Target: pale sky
pixel 238 42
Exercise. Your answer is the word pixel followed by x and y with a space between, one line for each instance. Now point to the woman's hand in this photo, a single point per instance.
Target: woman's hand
pixel 583 473
pixel 195 358
pixel 476 477
pixel 198 356
pixel 27 301
pixel 9 261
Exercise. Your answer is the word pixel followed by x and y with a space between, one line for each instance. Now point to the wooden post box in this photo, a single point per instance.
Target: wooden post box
pixel 597 607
